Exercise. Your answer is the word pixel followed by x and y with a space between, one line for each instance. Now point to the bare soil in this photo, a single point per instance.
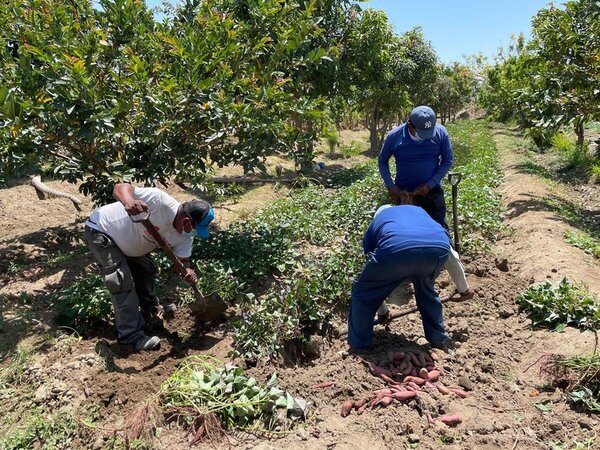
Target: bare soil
pixel 496 359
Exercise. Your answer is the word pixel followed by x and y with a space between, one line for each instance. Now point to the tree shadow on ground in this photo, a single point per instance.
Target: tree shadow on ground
pixel 586 220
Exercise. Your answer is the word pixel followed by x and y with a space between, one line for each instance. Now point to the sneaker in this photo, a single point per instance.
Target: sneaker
pixel 447 347
pixel 146 343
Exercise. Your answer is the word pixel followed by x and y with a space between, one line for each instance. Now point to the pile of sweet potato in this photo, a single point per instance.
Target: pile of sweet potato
pixel 406 375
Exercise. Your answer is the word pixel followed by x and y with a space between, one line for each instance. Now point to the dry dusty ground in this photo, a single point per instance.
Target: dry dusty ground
pixel 495 361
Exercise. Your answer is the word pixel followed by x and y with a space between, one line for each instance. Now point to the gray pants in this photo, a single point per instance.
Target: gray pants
pixel 130 282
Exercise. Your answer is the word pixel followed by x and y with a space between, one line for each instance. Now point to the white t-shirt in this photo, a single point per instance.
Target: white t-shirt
pixel 132 238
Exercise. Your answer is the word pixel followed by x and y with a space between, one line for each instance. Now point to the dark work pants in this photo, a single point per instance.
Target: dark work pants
pixel 130 282
pixel 381 276
pixel 435 205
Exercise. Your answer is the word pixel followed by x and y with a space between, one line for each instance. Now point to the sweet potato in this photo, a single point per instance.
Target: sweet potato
pixel 430 385
pixel 412 386
pixel 428 358
pixel 377 371
pixel 385 391
pixel 413 372
pixel 399 356
pixel 385 401
pixel 362 409
pixel 417 380
pixel 421 358
pixel 402 365
pixel 458 392
pixel 391 357
pixel 414 360
pixel 430 419
pixel 442 389
pixel 435 357
pixel 423 373
pixel 388 379
pixel 430 367
pixel 347 407
pixel 451 420
pixel 433 375
pixel 405 395
pixel 409 368
pixel 358 404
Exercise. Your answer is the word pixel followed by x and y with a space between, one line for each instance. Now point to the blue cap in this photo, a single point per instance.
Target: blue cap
pixel 201 214
pixel 423 119
pixel 202 226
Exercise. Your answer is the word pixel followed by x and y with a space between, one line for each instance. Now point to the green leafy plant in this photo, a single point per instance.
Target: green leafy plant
pixel 84 304
pixel 199 389
pixel 556 306
pixel 586 243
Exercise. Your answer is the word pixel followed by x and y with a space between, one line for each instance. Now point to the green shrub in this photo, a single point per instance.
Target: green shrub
pixel 561 142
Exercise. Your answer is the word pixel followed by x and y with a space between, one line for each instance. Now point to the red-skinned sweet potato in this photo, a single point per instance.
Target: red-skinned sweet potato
pixel 433 375
pixel 451 420
pixel 347 407
pixel 405 395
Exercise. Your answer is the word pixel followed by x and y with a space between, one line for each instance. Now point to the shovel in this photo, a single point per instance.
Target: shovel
pixel 205 309
pixel 454 178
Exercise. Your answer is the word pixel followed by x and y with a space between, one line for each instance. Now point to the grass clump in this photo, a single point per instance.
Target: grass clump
pixel 210 399
pixel 43 430
pixel 556 306
pixel 13 374
pixel 579 376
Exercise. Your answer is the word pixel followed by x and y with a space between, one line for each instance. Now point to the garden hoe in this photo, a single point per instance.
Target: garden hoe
pixel 406 312
pixel 204 308
pixel 454 178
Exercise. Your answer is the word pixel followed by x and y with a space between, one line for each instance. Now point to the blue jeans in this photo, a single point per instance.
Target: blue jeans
pixel 379 278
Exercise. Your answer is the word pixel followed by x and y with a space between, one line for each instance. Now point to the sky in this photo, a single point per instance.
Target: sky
pixel 462 27
pixel 457 27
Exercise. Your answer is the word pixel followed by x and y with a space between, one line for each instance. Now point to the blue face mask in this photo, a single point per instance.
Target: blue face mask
pixel 191 234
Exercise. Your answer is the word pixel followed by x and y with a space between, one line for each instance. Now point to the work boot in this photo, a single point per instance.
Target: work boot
pixel 147 343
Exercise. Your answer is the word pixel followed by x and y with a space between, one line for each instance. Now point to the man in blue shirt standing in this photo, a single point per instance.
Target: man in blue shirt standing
pixel 402 243
pixel 423 155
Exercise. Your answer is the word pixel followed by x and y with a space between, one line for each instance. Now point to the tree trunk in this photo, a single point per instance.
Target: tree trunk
pixel 580 132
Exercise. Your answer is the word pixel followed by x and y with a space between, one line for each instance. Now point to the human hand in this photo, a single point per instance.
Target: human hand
pixel 395 194
pixel 468 294
pixel 422 189
pixel 135 207
pixel 189 276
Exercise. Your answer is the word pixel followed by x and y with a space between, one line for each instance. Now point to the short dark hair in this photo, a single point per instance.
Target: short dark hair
pixel 196 210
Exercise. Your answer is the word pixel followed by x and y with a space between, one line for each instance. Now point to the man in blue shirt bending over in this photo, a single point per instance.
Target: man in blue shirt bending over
pixel 423 155
pixel 402 243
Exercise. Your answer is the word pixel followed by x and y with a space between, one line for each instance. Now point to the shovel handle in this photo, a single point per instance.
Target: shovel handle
pixel 454 178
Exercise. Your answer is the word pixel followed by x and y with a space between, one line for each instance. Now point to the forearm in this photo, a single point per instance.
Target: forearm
pixel 456 271
pixel 123 192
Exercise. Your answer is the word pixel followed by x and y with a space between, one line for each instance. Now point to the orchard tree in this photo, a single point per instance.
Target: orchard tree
pixel 384 69
pixel 568 41
pixel 106 95
pixel 454 89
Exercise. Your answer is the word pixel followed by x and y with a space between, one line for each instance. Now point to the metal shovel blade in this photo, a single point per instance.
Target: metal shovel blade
pixel 206 309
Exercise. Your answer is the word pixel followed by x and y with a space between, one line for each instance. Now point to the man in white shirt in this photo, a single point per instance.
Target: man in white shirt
pixel 122 249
